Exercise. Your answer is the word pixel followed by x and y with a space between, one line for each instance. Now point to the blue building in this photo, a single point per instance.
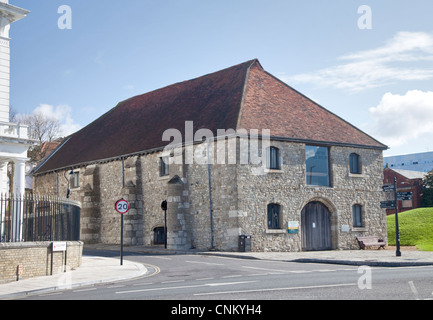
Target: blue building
pixel 422 162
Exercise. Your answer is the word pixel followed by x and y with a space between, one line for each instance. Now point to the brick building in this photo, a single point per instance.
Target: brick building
pixel 235 152
pixel 407 181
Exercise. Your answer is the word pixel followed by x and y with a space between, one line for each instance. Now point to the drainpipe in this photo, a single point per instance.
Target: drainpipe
pixel 210 196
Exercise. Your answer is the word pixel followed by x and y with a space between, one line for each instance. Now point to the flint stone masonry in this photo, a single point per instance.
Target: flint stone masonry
pixel 239 200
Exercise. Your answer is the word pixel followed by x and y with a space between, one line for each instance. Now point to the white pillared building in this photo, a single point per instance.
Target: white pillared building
pixel 14 139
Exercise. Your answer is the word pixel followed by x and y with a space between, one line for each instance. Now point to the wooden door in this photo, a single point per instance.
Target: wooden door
pixel 316 227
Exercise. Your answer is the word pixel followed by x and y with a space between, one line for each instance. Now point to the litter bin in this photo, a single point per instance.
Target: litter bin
pixel 245 244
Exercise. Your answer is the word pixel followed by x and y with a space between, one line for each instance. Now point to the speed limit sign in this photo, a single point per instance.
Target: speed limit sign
pixel 122 206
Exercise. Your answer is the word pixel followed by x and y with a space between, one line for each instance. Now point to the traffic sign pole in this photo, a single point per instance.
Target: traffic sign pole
pixel 121 241
pixel 122 207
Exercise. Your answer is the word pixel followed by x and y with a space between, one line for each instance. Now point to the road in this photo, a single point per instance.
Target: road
pixel 186 278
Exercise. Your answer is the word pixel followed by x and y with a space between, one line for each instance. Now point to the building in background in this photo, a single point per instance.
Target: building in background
pixel 421 162
pixel 407 181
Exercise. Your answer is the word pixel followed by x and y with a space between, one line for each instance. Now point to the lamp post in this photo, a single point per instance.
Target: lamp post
pixel 164 207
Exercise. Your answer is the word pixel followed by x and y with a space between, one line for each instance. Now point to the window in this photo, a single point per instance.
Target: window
pixel 273 158
pixel 164 167
pixel 317 165
pixel 274 216
pixel 75 180
pixel 406 204
pixel 355 165
pixel 357 216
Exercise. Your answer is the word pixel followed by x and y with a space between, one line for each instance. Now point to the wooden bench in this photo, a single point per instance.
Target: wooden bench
pixel 370 242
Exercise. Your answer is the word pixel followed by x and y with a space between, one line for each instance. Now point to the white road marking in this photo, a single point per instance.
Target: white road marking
pixel 276 289
pixel 184 287
pixel 208 263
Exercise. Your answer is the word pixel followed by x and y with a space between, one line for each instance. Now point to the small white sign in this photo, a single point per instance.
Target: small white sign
pixel 59 246
pixel 293 225
pixel 345 228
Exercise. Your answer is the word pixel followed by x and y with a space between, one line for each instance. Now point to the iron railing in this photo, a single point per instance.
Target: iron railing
pixel 37 218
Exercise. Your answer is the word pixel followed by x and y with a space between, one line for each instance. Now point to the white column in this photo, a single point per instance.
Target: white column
pixel 4 186
pixel 19 177
pixel 4 79
pixel 8 15
pixel 3 194
pixel 19 190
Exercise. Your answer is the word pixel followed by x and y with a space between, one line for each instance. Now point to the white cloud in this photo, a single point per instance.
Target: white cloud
pixel 398 60
pixel 398 120
pixel 62 113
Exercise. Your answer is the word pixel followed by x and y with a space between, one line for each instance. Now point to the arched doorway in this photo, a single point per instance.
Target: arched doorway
pixel 159 235
pixel 316 227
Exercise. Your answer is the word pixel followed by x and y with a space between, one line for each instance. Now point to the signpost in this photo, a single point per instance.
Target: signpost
pixel 122 207
pixel 404 196
pixel 387 204
pixel 388 188
pixel 58 247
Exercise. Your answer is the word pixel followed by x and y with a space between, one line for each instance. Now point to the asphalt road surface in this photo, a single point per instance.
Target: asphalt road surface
pixel 188 278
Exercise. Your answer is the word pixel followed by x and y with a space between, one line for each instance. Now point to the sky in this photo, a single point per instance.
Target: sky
pixel 370 62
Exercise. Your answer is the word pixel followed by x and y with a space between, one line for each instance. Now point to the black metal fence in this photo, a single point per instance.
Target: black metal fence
pixel 38 218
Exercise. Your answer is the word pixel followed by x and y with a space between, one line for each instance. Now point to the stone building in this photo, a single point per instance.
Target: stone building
pixel 236 152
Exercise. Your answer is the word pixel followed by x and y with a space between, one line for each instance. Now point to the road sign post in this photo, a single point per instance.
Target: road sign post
pixel 122 207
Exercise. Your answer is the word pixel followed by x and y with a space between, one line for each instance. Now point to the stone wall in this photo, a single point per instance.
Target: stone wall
pixel 33 259
pixel 240 194
pixel 288 188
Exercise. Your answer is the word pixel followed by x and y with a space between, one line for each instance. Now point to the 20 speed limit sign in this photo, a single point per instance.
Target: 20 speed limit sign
pixel 122 206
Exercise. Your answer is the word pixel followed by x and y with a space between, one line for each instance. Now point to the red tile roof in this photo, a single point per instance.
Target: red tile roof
pixel 243 96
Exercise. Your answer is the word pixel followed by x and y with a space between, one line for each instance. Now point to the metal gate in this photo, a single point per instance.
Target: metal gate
pixel 316 227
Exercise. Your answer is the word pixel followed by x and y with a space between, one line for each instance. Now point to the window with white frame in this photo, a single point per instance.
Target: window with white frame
pixel 357 216
pixel 273 158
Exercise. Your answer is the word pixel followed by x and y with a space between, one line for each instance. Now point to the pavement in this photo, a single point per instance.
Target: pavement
pixel 96 269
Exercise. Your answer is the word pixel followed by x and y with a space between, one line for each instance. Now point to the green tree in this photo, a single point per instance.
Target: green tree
pixel 427 190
